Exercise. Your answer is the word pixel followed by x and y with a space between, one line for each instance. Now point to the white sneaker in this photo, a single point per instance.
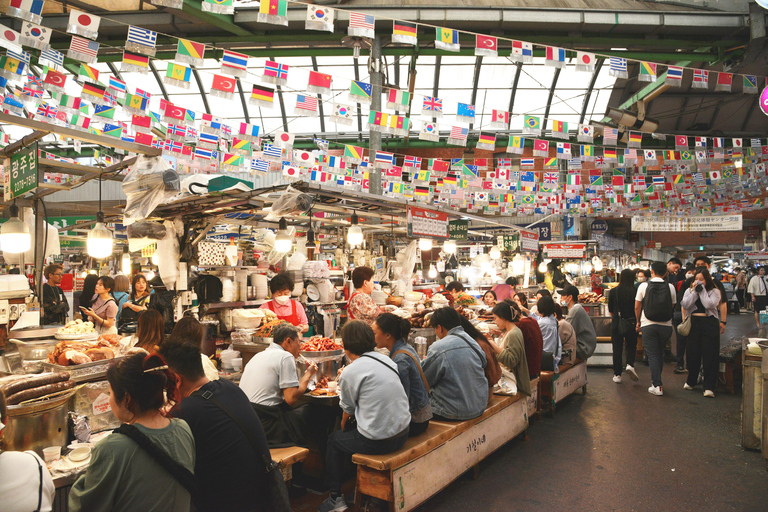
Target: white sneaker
pixel 331 505
pixel 632 373
pixel 686 386
pixel 655 390
pixel 709 394
pixel 617 379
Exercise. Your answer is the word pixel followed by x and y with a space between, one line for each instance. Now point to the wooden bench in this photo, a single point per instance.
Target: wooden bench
pixel 287 457
pixel 534 402
pixel 729 371
pixel 554 387
pixel 444 452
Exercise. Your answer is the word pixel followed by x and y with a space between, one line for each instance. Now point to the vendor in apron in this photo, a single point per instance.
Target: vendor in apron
pixel 283 306
pixel 361 305
pixel 103 310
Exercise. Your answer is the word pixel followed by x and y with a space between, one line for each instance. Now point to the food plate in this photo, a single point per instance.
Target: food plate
pixel 80 454
pixel 89 336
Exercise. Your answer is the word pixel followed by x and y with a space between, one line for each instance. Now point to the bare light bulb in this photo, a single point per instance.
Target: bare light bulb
pixel 449 246
pixel 425 244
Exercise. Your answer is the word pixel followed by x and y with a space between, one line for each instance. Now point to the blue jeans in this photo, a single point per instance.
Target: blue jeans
pixel 682 341
pixel 654 340
pixel 343 444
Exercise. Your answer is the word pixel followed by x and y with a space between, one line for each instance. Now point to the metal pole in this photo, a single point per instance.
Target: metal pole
pixel 374 144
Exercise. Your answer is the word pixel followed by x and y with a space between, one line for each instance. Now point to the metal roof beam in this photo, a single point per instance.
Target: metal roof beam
pixel 159 82
pixel 588 96
pixel 242 101
pixel 478 65
pixel 202 91
pixel 551 95
pixel 194 9
pixel 436 82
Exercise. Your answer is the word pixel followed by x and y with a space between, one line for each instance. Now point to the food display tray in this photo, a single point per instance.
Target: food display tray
pixel 90 336
pixel 96 370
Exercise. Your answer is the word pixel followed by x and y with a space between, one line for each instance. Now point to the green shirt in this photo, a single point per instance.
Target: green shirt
pixel 122 477
pixel 513 357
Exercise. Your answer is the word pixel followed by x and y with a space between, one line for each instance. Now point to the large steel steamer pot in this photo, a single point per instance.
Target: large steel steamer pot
pixel 38 425
pixel 328 363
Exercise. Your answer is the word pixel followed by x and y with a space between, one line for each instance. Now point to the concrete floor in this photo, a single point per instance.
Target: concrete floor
pixel 620 448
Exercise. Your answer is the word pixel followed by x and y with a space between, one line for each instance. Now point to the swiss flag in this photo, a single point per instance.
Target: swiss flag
pixel 486 42
pixel 223 83
pixel 319 79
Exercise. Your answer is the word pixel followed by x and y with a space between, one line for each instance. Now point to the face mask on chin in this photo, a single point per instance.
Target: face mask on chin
pixel 283 299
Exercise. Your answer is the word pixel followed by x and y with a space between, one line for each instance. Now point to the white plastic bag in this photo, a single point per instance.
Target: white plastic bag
pixel 150 182
pixel 168 251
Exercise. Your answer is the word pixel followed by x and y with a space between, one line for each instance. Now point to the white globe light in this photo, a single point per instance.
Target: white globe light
pixel 283 242
pixel 432 272
pixel 99 242
pixel 156 258
pixel 495 252
pixel 425 244
pixel 587 267
pixel 542 267
pixel 126 263
pixel 355 235
pixel 449 246
pixel 14 234
pixel 597 263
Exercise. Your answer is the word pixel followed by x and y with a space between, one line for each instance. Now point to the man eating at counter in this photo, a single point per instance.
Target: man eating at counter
pixel 272 385
pixel 455 370
pixel 281 286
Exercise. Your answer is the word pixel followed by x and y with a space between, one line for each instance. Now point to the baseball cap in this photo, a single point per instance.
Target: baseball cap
pixel 571 290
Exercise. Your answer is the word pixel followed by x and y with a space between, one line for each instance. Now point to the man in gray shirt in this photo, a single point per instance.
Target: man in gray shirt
pixel 586 338
pixel 272 384
pixel 455 370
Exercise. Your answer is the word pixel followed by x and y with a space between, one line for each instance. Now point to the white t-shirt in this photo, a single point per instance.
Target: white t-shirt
pixel 20 483
pixel 268 374
pixel 641 294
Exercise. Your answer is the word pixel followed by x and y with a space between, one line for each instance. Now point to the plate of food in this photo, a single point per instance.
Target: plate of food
pixel 77 330
pixel 325 389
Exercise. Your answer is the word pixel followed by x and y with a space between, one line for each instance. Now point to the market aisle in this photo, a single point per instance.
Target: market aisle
pixel 620 448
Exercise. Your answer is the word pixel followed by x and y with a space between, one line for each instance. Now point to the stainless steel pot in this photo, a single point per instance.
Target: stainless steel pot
pixel 328 363
pixel 39 425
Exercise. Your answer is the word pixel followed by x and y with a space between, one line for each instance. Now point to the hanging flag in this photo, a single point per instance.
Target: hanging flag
pixel 133 62
pixel 306 105
pixel 522 52
pixel 135 104
pixel 274 12
pixel 398 99
pixel 500 119
pixel 12 69
pixel 429 131
pixel 29 10
pixel 107 111
pixel 87 73
pixel 681 142
pixel 404 32
pixel 718 142
pixel 141 124
pixel 378 121
pixel 383 159
pixel 177 75
pixel 563 150
pixel 532 125
pixel 559 129
pixel 587 153
pixel 610 136
pixel 516 144
pixel 647 72
pixel 248 132
pixel 353 154
pixel 319 83
pixel 70 104
pixel 83 24
pixel 609 153
pixel 93 92
pixel 262 96
pixel 83 50
pixel 555 57
pixel 486 140
pixel 586 133
pixel 700 142
pixel 319 18
pixel 80 121
pixel 53 57
pixel 223 87
pixel 190 52
pixel 724 81
pixel 219 6
pixel 540 148
pixel 465 113
pixel 432 107
pixel 361 25
pixel 232 162
pixel 284 140
pixel 750 84
pixel 674 76
pixel 54 81
pixel 342 114
pixel 35 36
pixel 113 130
pixel 585 61
pixel 173 113
pixel 486 46
pixel 618 67
pixel 649 156
pixel 700 79
pixel 399 125
pixel 275 73
pixel 141 40
pixel 447 39
pixel 360 92
pixel 458 136
pixel 635 139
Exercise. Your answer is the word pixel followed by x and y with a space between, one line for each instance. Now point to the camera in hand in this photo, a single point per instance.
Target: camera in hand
pixel 699 288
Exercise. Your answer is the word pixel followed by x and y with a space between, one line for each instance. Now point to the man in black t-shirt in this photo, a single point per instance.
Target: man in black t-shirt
pixel 230 472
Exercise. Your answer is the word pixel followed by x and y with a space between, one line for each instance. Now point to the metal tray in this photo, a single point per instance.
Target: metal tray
pixel 96 370
pixel 321 353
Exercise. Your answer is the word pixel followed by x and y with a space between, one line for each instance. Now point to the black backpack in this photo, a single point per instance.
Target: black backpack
pixel 657 302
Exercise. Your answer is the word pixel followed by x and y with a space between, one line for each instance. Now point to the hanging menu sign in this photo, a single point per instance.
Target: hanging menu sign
pixel 565 250
pixel 694 223
pixel 20 172
pixel 427 223
pixel 529 240
pixel 458 229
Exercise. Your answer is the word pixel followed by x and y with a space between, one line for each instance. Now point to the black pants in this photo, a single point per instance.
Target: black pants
pixel 619 341
pixel 343 444
pixel 704 344
pixel 740 296
pixel 417 428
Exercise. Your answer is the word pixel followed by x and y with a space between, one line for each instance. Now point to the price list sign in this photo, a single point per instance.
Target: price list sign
pixel 565 250
pixel 21 173
pixel 427 223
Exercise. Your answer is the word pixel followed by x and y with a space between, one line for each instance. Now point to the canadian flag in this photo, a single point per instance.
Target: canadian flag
pixel 500 116
pixel 502 174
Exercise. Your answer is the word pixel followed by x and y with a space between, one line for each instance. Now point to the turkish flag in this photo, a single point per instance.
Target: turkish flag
pixel 223 83
pixel 541 145
pixel 175 112
pixel 55 78
pixel 486 42
pixel 319 79
pixel 681 140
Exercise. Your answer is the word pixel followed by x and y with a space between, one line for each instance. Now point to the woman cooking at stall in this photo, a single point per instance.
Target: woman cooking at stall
pixel 283 306
pixel 103 310
pixel 361 306
pixel 135 305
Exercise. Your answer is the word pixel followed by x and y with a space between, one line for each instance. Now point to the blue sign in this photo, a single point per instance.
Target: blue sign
pixel 544 229
pixel 599 226
pixel 569 225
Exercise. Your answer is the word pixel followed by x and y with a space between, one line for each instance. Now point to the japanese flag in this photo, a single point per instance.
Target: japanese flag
pixel 80 22
pixel 284 139
pixel 290 171
pixel 304 157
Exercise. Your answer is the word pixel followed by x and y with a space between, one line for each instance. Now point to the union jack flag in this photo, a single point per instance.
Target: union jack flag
pixel 226 130
pixel 37 82
pixel 599 160
pixel 550 177
pixel 432 104
pixel 667 168
pixel 47 110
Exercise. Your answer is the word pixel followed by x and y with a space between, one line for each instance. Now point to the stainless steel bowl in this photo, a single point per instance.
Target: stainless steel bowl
pixel 34 353
pixel 328 363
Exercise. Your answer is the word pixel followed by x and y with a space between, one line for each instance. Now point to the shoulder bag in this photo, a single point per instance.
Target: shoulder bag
pixel 684 329
pixel 423 377
pixel 277 499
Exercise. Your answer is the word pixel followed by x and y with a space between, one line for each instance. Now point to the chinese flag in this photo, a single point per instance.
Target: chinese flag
pixel 144 121
pixel 143 138
pixel 319 79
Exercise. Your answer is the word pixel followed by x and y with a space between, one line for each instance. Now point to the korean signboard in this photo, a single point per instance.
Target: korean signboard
pixel 565 250
pixel 422 222
pixel 21 172
pixel 694 223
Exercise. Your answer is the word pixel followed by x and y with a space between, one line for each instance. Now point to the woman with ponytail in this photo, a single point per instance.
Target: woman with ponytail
pixel 147 463
pixel 511 350
pixel 391 332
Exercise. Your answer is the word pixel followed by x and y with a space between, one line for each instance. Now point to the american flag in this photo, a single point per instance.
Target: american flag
pixel 359 20
pixel 80 45
pixel 432 104
pixel 610 134
pixel 457 132
pixel 305 102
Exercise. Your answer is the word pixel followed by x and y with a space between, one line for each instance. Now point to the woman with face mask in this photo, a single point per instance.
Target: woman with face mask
pixel 281 304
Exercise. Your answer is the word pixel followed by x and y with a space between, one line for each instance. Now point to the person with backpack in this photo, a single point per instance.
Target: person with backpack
pixel 701 301
pixel 654 306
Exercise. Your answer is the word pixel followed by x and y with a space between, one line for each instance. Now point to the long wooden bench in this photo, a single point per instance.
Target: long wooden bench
pixel 534 401
pixel 554 387
pixel 444 452
pixel 287 457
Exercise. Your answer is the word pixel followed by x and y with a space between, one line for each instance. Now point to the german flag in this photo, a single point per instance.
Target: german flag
pixel 403 28
pixel 135 59
pixel 263 93
pixel 635 137
pixel 421 191
pixel 487 138
pixel 94 90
